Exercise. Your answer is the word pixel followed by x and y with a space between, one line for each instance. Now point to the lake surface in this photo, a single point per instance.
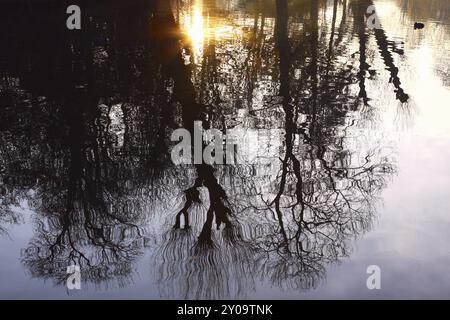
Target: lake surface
pixel 340 149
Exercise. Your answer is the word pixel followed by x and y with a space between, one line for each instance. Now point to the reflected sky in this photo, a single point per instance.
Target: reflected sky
pixel 343 151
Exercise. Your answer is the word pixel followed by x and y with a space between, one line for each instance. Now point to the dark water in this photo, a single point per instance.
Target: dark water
pixel 345 132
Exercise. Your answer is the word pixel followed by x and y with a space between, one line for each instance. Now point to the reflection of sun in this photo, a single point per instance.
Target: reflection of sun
pixel 194 26
pixel 200 28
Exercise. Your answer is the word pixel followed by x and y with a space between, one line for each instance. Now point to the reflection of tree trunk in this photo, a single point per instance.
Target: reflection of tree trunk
pixel 333 26
pixel 290 123
pixel 343 22
pixel 282 41
pixel 383 45
pixel 362 67
pixel 330 46
pixel 382 42
pixel 254 54
pixel 165 33
pixel 314 64
pixel 166 37
pixel 360 23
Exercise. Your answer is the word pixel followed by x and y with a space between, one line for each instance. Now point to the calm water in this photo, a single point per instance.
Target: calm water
pixel 342 137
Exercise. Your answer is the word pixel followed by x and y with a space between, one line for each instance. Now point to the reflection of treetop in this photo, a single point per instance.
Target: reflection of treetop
pixel 86 123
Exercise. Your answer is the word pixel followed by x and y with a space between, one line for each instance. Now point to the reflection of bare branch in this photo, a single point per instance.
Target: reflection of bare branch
pixel 191 269
pixel 87 233
pixel 8 216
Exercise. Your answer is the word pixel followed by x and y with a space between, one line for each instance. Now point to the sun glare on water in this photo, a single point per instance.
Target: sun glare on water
pixel 202 29
pixel 194 27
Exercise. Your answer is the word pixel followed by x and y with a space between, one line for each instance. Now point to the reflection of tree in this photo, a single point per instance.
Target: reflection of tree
pixel 91 121
pixel 85 226
pixel 209 270
pixel 321 201
pixel 67 149
pixel 383 45
pixel 323 197
pixel 185 93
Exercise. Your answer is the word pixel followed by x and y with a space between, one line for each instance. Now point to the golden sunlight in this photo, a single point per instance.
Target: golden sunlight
pixel 193 25
pixel 200 28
